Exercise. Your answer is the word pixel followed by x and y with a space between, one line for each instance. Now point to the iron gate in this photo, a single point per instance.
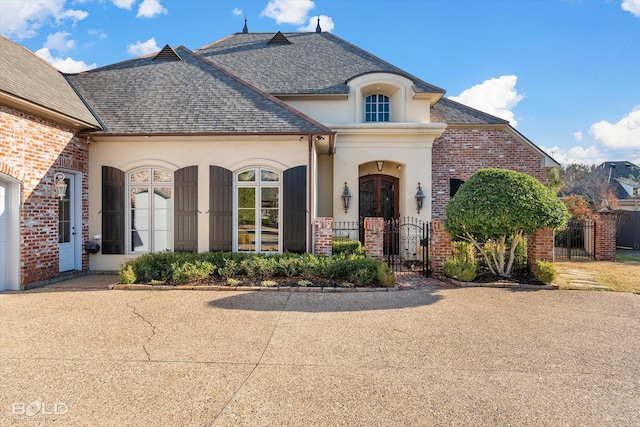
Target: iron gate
pixel 406 245
pixel 577 241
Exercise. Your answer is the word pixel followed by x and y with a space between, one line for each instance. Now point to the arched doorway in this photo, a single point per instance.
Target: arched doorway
pixel 379 196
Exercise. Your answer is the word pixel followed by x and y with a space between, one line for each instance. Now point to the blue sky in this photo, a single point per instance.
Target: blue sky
pixel 565 73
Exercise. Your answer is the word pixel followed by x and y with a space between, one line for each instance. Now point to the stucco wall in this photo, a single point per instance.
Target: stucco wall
pixel 32 151
pixel 233 153
pixel 460 152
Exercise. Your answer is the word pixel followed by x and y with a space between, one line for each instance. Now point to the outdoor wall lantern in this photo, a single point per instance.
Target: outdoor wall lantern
pixel 419 198
pixel 346 198
pixel 380 165
pixel 59 187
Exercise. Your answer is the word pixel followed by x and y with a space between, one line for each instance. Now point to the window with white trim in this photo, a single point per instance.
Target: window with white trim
pixel 150 205
pixel 257 212
pixel 376 108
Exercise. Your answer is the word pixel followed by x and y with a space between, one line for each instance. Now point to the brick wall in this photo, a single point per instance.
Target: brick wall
pixel 460 152
pixel 33 150
pixel 323 236
pixel 374 237
pixel 540 247
pixel 605 235
pixel 441 247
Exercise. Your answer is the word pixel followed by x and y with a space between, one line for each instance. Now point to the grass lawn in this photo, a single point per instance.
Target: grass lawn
pixel 623 275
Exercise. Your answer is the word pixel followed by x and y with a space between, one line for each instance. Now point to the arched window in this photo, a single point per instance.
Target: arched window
pixel 376 108
pixel 257 210
pixel 150 210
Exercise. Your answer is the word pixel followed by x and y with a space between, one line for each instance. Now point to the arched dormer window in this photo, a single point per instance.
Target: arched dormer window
pixel 376 108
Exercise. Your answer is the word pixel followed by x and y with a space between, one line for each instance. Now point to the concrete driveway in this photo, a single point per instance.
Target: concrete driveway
pixel 79 355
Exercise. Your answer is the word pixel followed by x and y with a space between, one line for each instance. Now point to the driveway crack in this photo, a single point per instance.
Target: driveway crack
pixel 145 320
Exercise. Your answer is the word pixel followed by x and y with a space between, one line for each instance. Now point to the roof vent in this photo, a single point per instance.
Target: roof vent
pixel 167 54
pixel 279 38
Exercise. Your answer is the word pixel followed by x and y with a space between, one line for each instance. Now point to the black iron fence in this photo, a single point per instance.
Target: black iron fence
pixel 406 245
pixel 576 242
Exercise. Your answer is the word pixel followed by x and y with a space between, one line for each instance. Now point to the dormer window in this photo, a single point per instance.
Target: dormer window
pixel 376 108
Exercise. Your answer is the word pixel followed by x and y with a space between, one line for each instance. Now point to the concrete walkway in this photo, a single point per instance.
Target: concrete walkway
pixel 84 355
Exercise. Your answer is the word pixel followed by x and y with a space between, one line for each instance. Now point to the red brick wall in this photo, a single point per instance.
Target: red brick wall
pixel 540 247
pixel 323 236
pixel 374 237
pixel 605 235
pixel 441 247
pixel 32 150
pixel 460 152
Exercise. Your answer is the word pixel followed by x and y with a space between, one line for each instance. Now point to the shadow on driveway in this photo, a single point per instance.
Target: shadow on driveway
pixel 315 302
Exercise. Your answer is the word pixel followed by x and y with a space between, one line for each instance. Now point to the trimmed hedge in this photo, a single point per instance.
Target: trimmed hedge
pixel 181 268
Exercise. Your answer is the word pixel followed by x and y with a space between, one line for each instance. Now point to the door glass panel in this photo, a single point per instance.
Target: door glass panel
pixel 139 219
pixel 269 220
pixel 162 219
pixel 64 216
pixel 246 219
pixel 387 199
pixel 367 206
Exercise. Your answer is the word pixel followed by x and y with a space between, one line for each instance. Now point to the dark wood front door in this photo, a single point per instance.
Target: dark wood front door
pixel 379 197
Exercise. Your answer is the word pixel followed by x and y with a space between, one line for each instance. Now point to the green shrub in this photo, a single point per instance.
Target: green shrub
pixel 464 251
pixel 187 271
pixel 127 276
pixel 349 247
pixel 461 270
pixel 545 271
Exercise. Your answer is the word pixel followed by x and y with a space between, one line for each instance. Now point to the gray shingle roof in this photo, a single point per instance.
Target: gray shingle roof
pixel 24 75
pixel 188 96
pixel 314 63
pixel 454 113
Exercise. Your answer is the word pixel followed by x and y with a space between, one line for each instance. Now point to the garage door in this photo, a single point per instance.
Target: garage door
pixel 4 236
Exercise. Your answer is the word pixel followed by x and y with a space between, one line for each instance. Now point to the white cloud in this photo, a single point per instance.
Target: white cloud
pixel 58 41
pixel 143 48
pixel 123 4
pixel 326 24
pixel 632 6
pixel 587 156
pixel 66 65
pixel 496 96
pixel 150 9
pixel 237 12
pixel 623 134
pixel 288 11
pixel 578 136
pixel 22 19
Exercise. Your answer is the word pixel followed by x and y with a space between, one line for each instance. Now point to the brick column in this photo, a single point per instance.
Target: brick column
pixel 441 247
pixel 323 236
pixel 374 237
pixel 540 246
pixel 605 235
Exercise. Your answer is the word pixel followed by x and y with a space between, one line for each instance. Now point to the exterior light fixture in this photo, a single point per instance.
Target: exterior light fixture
pixel 380 165
pixel 59 187
pixel 346 198
pixel 419 198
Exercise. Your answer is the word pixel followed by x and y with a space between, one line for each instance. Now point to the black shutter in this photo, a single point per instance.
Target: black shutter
pixel 113 201
pixel 294 210
pixel 220 209
pixel 185 235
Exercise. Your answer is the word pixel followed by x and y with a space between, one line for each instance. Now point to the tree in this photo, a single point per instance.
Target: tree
pixel 499 206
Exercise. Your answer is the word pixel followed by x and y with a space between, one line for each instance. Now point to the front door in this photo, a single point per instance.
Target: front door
pixel 379 197
pixel 67 227
pixel 4 236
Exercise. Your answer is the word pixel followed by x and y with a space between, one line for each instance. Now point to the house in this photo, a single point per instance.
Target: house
pixel 244 143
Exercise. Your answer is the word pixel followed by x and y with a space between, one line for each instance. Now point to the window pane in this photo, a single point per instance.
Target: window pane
pixel 246 229
pixel 247 176
pixel 162 176
pixel 139 176
pixel 161 240
pixel 268 176
pixel 139 240
pixel 269 234
pixel 247 198
pixel 269 197
pixel 139 197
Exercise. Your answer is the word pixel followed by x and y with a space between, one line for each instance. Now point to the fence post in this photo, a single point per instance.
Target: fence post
pixel 540 247
pixel 374 237
pixel 323 236
pixel 605 235
pixel 441 245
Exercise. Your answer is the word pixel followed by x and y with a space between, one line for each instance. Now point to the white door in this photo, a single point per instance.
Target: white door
pixel 4 236
pixel 67 227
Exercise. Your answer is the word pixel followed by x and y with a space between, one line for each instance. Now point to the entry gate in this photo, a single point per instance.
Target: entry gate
pixel 577 241
pixel 406 245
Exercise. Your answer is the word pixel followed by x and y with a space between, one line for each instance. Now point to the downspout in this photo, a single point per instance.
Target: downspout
pixel 310 201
